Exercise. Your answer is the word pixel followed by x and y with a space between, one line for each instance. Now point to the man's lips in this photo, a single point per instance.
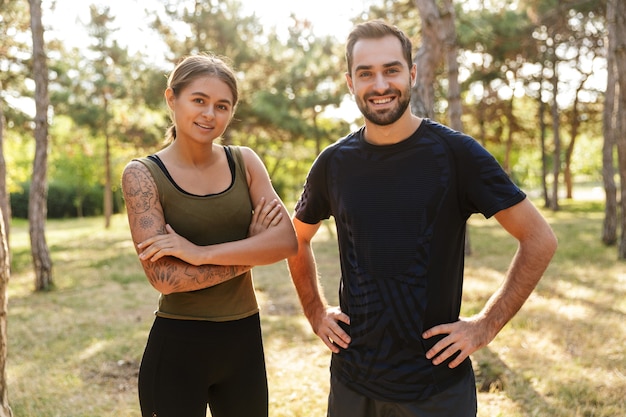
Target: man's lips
pixel 381 100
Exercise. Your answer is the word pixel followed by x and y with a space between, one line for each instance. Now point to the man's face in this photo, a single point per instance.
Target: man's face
pixel 380 80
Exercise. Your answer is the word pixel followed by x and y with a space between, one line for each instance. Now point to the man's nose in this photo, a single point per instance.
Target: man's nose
pixel 380 82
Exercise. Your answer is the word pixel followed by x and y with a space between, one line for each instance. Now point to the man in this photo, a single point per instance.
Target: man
pixel 400 190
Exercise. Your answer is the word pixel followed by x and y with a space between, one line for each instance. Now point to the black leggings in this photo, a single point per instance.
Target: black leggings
pixel 189 364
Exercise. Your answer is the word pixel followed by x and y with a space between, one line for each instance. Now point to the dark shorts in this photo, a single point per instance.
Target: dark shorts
pixel 189 364
pixel 457 401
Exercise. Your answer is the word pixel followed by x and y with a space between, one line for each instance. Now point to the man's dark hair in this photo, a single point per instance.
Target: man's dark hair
pixel 377 29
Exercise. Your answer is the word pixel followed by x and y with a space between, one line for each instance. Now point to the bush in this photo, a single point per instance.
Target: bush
pixel 65 201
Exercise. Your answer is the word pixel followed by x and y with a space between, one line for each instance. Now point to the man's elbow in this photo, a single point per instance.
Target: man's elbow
pixel 552 243
pixel 545 244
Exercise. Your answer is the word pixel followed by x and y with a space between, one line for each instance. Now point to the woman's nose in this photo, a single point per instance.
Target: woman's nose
pixel 209 112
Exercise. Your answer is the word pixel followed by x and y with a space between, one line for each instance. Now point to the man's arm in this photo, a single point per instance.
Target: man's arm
pixel 145 218
pixel 323 319
pixel 537 244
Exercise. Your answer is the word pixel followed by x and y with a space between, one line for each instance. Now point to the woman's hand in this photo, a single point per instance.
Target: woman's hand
pixel 265 215
pixel 170 244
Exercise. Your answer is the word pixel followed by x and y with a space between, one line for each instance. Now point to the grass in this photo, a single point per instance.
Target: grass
pixel 74 351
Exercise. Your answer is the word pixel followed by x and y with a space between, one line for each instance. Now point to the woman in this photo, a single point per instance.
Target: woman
pixel 191 215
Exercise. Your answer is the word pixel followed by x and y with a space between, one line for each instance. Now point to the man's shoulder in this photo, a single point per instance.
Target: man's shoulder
pixel 342 144
pixel 443 132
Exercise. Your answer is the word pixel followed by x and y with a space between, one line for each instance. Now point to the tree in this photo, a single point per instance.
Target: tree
pixel 619 49
pixel 549 20
pixel 437 32
pixel 105 86
pixel 587 48
pixel 301 80
pixel 496 44
pixel 286 83
pixel 556 131
pixel 609 227
pixel 112 101
pixel 14 19
pixel 5 410
pixel 5 205
pixel 568 36
pixel 37 203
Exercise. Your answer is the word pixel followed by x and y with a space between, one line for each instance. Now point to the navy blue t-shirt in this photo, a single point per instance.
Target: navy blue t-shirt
pixel 400 212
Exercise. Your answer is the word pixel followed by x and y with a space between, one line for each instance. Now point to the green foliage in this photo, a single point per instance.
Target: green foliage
pixel 14 64
pixel 65 200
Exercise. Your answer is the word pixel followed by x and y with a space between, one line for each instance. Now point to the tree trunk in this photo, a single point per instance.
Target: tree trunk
pixel 574 128
pixel 108 193
pixel 556 129
pixel 569 151
pixel 37 208
pixel 5 410
pixel 427 58
pixel 5 201
pixel 621 158
pixel 609 227
pixel 455 106
pixel 510 121
pixel 544 152
pixel 619 49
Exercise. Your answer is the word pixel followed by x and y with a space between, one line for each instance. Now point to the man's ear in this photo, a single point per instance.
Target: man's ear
pixel 413 74
pixel 349 82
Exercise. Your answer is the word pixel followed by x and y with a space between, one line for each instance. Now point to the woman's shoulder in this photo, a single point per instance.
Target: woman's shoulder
pixel 247 154
pixel 245 151
pixel 137 164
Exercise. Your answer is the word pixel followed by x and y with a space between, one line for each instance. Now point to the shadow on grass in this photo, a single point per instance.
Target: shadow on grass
pixel 493 375
pixel 563 351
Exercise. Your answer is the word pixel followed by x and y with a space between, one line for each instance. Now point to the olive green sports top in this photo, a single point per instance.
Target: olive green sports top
pixel 207 220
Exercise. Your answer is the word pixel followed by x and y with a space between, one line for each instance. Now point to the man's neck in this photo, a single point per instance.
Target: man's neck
pixel 393 133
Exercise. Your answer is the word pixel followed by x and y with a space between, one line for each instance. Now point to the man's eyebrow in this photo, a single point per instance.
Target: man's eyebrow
pixel 393 64
pixel 387 65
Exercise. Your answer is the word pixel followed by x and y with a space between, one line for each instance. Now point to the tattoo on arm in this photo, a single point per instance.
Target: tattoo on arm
pixel 139 189
pixel 146 219
pixel 209 275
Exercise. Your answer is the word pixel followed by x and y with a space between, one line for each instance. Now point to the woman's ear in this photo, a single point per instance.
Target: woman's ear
pixel 169 97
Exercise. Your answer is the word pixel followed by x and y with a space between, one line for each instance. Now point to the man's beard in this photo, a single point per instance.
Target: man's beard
pixel 388 116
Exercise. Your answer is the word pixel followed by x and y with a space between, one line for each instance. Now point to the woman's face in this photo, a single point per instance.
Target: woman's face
pixel 202 110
